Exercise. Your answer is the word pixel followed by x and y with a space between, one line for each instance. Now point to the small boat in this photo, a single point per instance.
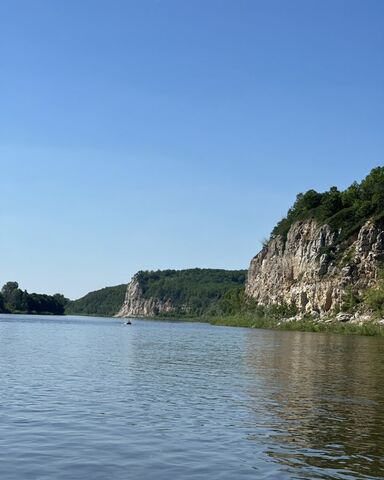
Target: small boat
pixel 128 322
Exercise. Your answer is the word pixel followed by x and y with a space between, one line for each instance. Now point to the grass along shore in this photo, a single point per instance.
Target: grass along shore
pixel 251 320
pixel 369 328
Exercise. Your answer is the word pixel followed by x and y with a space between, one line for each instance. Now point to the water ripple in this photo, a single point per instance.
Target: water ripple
pixel 91 398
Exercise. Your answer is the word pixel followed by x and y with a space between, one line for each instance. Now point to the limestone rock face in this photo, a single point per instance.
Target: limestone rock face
pixel 136 305
pixel 310 270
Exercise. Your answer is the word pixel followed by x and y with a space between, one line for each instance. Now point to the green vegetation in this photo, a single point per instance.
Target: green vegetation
pixel 234 303
pixel 237 309
pixel 194 292
pixel 374 297
pixel 305 325
pixel 344 211
pixel 15 300
pixel 351 301
pixel 105 302
pixel 2 304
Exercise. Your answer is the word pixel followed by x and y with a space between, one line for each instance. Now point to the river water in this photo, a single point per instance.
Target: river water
pixel 92 398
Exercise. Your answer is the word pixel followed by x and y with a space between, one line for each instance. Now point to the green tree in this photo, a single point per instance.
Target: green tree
pixel 2 304
pixel 14 302
pixel 24 307
pixel 8 288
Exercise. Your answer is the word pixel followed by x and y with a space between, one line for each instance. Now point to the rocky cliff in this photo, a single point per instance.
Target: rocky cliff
pixel 312 270
pixel 136 305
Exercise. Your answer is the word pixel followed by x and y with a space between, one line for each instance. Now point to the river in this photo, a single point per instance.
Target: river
pixel 92 398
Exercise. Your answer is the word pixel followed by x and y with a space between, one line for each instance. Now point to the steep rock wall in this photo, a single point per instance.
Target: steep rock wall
pixel 310 270
pixel 136 305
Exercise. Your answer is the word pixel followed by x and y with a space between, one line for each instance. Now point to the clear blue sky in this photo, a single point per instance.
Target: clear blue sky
pixel 175 133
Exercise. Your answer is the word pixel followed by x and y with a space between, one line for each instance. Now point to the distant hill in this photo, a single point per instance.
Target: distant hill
pixel 180 293
pixel 105 302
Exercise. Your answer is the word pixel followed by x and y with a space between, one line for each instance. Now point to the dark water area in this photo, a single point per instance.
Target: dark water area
pixel 93 398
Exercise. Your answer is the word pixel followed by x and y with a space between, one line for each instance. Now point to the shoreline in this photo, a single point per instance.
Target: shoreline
pixel 366 328
pixel 331 325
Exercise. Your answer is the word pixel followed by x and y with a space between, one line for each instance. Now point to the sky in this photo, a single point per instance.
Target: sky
pixel 152 134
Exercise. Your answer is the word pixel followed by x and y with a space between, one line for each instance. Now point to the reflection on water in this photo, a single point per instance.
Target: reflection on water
pixel 322 401
pixel 93 398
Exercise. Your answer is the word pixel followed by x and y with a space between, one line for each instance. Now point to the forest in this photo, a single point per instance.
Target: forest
pixel 104 302
pixel 15 300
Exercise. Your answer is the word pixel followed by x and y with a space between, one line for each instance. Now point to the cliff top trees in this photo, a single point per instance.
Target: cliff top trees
pixel 345 211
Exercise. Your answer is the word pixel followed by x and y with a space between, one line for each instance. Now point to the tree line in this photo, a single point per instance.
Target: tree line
pixel 15 300
pixel 345 211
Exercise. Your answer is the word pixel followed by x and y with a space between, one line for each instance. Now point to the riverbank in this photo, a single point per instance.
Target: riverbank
pixel 249 320
pixel 369 328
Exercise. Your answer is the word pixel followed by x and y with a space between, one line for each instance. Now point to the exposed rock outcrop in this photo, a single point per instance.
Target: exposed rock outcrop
pixel 311 270
pixel 136 305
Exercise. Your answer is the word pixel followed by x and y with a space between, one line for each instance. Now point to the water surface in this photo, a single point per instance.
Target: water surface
pixel 93 398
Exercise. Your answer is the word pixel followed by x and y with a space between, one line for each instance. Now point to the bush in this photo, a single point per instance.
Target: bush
pixel 374 298
pixel 351 300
